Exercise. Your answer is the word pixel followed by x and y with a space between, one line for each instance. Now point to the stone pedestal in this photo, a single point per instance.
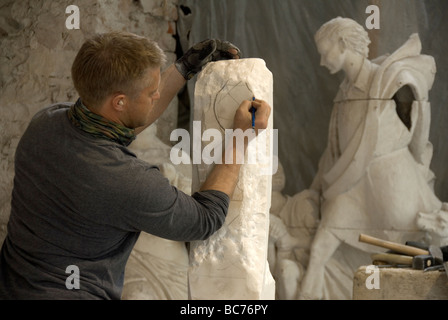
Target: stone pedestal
pixel 232 264
pixel 399 284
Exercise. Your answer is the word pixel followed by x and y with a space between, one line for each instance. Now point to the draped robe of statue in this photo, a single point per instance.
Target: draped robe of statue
pixel 374 175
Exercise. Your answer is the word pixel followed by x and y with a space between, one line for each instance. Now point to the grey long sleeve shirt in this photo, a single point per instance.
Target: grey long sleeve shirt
pixel 82 201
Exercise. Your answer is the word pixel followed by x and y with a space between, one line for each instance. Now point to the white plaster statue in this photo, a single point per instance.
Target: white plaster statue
pixel 232 263
pixel 436 226
pixel 288 255
pixel 374 175
pixel 289 249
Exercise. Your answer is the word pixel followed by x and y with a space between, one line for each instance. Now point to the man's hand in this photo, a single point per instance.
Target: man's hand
pixel 243 116
pixel 202 53
pixel 243 121
pixel 224 176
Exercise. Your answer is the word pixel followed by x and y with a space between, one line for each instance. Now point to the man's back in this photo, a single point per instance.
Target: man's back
pixel 82 201
pixel 57 216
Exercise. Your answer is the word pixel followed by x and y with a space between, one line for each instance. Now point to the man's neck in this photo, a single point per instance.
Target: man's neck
pixel 106 111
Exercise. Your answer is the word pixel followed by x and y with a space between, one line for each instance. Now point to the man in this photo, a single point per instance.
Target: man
pixel 374 175
pixel 81 197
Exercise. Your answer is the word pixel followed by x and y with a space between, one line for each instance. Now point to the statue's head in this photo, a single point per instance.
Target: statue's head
pixel 338 35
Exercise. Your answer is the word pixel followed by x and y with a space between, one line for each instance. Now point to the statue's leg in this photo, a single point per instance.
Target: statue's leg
pixel 288 276
pixel 322 249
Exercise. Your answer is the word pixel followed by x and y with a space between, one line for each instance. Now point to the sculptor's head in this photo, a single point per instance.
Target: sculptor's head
pixel 114 62
pixel 337 36
pixel 117 75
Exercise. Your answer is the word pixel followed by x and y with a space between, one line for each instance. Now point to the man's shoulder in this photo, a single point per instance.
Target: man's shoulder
pixel 53 109
pixel 49 113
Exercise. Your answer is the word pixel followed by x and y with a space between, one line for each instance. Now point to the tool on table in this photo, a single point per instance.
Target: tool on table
pixel 420 262
pixel 423 262
pixel 413 254
pixel 417 244
pixel 391 259
pixel 397 247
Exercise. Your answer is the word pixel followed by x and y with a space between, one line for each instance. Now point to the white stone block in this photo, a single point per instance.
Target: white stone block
pixel 232 264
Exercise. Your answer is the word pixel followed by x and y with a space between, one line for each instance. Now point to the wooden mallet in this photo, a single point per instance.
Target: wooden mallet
pixel 418 258
pixel 396 247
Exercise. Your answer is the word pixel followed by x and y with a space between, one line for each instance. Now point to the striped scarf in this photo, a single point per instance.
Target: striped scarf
pixel 97 126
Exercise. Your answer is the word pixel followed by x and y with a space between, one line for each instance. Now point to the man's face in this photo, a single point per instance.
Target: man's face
pixel 332 54
pixel 139 112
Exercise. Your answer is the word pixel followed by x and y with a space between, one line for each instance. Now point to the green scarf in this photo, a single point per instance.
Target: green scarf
pixel 97 126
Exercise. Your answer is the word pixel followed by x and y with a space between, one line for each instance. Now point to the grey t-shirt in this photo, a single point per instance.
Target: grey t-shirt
pixel 82 201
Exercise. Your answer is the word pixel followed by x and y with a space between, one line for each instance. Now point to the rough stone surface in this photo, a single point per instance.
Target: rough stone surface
pixel 36 52
pixel 232 264
pixel 400 284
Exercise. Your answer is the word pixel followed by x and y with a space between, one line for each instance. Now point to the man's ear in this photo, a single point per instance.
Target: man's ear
pixel 119 102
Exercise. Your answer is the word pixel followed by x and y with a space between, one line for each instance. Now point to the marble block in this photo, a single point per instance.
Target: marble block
pixel 399 284
pixel 232 263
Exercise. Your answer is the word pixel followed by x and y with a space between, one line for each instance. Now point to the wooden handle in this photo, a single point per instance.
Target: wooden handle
pixel 392 258
pixel 400 248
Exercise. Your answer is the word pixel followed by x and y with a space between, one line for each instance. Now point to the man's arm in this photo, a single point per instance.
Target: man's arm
pixel 192 62
pixel 223 177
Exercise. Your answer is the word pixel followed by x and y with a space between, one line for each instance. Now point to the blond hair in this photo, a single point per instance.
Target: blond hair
pixel 352 33
pixel 114 62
